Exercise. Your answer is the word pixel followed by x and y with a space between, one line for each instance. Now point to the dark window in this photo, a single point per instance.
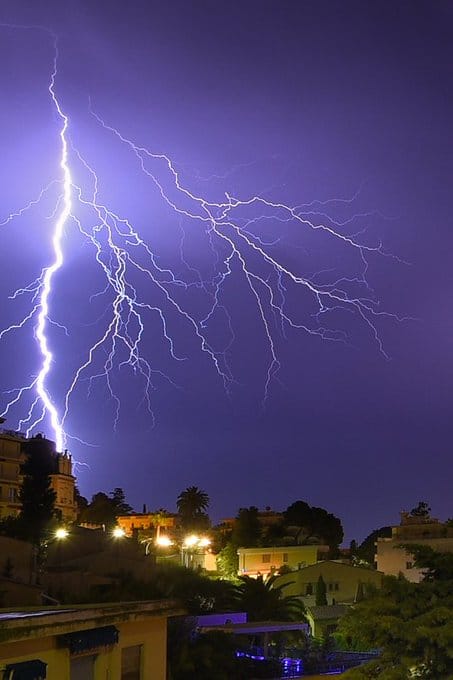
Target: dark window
pixel 337 586
pixel 266 557
pixel 131 658
pixel 25 670
pixel 82 667
pixel 330 586
pixel 285 557
pixel 409 565
pixel 309 589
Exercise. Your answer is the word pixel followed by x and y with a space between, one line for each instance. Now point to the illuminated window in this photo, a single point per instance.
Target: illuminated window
pixel 266 557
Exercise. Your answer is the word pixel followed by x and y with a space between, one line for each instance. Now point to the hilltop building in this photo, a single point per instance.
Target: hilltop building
pixel 146 521
pixel 12 455
pixel 393 559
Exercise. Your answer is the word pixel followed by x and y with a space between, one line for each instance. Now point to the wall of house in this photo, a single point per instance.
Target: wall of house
pixel 342 581
pixel 150 634
pixel 10 479
pixel 253 561
pixel 394 560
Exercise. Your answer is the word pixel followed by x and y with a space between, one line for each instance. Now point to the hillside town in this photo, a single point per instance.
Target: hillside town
pixel 90 585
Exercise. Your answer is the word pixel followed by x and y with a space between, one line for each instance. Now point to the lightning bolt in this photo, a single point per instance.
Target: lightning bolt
pixel 234 230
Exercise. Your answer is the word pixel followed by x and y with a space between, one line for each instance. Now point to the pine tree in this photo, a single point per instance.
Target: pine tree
pixel 321 592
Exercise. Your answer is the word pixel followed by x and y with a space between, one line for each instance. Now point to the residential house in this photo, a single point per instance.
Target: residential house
pixel 12 456
pixel 266 561
pixel 121 640
pixel 344 582
pixel 391 556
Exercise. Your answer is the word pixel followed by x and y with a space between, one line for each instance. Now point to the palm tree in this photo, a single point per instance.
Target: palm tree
pixel 192 505
pixel 263 601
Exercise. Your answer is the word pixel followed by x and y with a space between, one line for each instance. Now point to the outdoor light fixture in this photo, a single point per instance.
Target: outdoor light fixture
pixel 191 541
pixel 163 541
pixel 61 533
pixel 118 532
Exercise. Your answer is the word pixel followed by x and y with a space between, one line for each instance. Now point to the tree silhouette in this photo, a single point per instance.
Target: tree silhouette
pixel 263 601
pixel 192 504
pixel 37 496
pixel 321 591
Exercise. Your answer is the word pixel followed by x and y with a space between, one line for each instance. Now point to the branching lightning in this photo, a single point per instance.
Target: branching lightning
pixel 237 248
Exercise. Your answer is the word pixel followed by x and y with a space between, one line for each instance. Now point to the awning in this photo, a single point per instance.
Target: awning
pixel 25 670
pixel 87 640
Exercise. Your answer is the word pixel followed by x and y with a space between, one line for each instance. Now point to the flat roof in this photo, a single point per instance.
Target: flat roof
pixel 256 627
pixel 47 621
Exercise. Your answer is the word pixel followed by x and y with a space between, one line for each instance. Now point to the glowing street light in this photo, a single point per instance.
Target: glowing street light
pixel 190 545
pixel 163 541
pixel 61 534
pixel 190 541
pixel 118 532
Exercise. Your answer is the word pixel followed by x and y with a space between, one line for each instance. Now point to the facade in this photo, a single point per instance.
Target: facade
pixel 63 483
pixel 323 620
pixel 132 524
pixel 343 582
pixel 393 559
pixel 117 641
pixel 266 518
pixel 266 561
pixel 12 456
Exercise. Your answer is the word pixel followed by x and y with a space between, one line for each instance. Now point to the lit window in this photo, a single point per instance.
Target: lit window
pixel 266 557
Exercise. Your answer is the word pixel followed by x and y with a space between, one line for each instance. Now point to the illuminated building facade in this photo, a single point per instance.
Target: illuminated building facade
pixel 145 522
pixel 12 456
pixel 265 561
pixel 393 559
pixel 126 640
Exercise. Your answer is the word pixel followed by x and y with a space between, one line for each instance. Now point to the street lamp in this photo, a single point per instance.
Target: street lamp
pixel 118 532
pixel 163 541
pixel 61 534
pixel 189 548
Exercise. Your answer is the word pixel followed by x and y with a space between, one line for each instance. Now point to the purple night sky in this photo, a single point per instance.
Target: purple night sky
pixel 299 103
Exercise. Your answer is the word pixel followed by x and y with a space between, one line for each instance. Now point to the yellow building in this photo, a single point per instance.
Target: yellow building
pixel 393 559
pixel 266 561
pixel 343 581
pixel 132 524
pixel 125 641
pixel 63 483
pixel 12 456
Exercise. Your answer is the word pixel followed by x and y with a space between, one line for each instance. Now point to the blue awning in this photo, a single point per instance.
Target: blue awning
pixel 25 670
